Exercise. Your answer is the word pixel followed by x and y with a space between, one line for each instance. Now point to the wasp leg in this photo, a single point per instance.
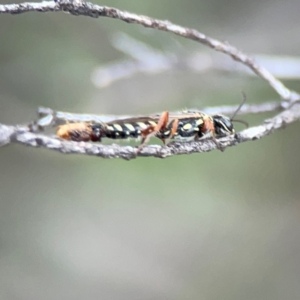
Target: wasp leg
pixel 211 136
pixel 152 130
pixel 173 131
pixel 208 127
pixel 218 145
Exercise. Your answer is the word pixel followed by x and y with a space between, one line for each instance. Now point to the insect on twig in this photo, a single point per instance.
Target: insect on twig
pixel 182 127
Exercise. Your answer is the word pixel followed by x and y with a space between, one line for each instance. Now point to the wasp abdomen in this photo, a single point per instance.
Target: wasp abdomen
pixel 122 130
pixel 75 132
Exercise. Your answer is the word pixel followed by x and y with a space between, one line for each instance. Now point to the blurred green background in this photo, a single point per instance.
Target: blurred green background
pixel 204 226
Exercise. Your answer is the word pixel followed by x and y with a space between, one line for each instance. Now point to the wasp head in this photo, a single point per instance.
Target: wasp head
pixel 223 125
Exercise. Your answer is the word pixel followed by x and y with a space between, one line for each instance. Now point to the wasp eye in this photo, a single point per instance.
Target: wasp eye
pixel 223 125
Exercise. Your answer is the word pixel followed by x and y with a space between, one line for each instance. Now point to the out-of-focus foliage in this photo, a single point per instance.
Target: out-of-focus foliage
pixel 205 226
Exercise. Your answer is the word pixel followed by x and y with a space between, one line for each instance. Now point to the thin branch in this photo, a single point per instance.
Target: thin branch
pixel 78 7
pixel 147 60
pixel 49 117
pixel 244 110
pixel 22 135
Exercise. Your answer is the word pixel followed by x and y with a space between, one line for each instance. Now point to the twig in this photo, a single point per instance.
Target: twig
pixel 145 60
pixel 244 110
pixel 148 60
pixel 78 7
pixel 22 135
pixel 49 117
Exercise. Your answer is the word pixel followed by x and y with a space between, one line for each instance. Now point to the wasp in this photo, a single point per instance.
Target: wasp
pixel 184 127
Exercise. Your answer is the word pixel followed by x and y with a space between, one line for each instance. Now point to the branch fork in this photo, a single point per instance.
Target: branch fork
pixel 289 99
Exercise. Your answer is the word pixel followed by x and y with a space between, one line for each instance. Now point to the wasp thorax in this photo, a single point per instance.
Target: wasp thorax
pixel 223 125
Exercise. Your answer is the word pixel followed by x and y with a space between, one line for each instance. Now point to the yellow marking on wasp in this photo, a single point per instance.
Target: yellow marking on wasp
pixel 199 122
pixel 167 132
pixel 129 127
pixel 110 128
pixel 118 127
pixel 187 126
pixel 142 125
pixel 152 123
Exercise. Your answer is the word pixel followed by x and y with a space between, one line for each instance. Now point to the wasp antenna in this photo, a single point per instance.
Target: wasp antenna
pixel 240 106
pixel 242 122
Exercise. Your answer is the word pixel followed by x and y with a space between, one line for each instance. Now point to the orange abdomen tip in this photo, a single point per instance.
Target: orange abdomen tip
pixel 63 132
